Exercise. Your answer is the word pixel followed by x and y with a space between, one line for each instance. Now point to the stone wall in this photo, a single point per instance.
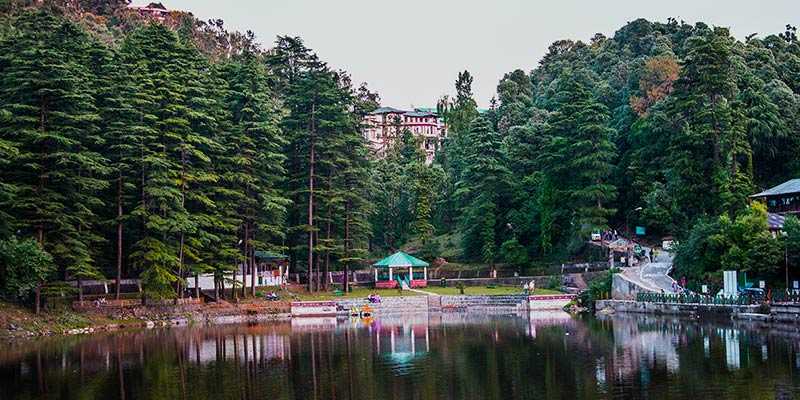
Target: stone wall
pixel 629 306
pixel 541 281
pixel 389 304
pixel 624 289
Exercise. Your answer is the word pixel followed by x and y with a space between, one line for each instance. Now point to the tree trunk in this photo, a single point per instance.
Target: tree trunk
pixel 180 269
pixel 246 258
pixel 119 236
pixel 38 300
pixel 178 284
pixel 326 275
pixel 197 286
pixel 253 266
pixel 346 283
pixel 311 207
pixel 80 290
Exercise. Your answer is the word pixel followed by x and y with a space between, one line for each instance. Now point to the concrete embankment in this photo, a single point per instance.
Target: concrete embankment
pixel 775 314
pixel 630 306
pixel 410 304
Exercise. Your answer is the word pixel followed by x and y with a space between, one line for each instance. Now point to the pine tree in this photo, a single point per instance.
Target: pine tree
pixel 710 139
pixel 174 163
pixel 481 190
pixel 578 127
pixel 47 94
pixel 256 170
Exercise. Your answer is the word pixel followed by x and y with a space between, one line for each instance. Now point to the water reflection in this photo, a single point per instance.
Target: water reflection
pixel 424 356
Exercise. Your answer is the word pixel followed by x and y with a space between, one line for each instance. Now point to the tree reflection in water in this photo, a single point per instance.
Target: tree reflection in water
pixel 425 356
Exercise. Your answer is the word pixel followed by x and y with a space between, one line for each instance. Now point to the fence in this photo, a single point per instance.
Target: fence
pixel 783 297
pixel 696 299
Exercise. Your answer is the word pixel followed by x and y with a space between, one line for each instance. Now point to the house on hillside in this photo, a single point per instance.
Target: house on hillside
pixel 156 11
pixel 781 200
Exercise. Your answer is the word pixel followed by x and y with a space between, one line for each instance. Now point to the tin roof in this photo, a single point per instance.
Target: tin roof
pixel 386 110
pixel 788 187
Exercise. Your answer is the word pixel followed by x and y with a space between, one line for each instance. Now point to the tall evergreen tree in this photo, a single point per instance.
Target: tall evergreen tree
pixel 46 90
pixel 481 190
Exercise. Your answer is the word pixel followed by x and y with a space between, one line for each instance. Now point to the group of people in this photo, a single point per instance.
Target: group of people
pixel 529 287
pixel 272 296
pixel 374 298
pixel 609 235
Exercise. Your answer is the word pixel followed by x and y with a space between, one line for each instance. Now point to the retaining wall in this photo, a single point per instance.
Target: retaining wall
pixel 389 304
pixel 624 289
pixel 629 306
pixel 480 303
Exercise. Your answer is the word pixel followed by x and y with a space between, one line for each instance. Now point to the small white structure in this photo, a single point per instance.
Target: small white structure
pixel 731 287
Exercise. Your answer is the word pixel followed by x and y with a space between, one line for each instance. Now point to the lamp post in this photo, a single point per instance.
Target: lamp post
pixel 786 258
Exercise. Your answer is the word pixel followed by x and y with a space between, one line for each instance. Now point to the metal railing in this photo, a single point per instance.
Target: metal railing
pixel 696 299
pixel 783 297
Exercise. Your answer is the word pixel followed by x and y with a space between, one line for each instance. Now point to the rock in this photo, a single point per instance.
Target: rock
pixel 606 311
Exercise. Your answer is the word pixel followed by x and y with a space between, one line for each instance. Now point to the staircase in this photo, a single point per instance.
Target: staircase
pixel 484 303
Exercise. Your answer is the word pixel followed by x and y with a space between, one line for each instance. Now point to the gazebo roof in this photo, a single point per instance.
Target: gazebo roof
pixel 400 259
pixel 268 255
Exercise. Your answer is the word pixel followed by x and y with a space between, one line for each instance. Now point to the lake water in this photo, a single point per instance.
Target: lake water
pixel 437 356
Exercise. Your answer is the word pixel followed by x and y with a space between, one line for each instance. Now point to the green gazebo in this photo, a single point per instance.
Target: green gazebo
pixel 398 270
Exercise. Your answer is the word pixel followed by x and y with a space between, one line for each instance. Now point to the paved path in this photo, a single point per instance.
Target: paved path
pixel 656 273
pixel 653 276
pixel 422 292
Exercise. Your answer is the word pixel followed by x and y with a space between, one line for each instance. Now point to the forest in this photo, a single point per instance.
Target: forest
pixel 163 150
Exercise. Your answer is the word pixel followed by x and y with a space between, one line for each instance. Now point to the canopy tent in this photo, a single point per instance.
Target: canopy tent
pixel 405 277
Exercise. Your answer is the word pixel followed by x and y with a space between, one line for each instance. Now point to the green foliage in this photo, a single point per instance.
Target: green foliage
pixel 512 252
pixel 24 266
pixel 742 243
pixel 481 190
pixel 599 289
pixel 57 173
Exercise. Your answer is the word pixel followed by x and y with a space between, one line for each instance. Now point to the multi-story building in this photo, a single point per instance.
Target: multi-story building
pixel 382 129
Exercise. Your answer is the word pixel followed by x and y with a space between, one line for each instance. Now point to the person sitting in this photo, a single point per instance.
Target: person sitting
pixel 272 296
pixel 374 298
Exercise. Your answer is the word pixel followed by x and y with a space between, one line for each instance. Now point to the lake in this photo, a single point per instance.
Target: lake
pixel 418 356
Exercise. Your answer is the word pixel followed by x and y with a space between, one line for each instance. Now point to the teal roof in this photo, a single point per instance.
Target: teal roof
pixel 400 259
pixel 268 255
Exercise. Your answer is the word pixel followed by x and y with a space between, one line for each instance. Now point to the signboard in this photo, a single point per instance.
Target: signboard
pixel 796 284
pixel 762 284
pixel 705 289
pixel 640 231
pixel 730 287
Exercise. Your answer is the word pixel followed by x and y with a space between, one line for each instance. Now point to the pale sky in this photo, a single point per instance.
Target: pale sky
pixel 410 51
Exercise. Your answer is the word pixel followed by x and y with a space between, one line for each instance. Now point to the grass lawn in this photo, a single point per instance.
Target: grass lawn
pixel 361 293
pixel 482 290
pixel 357 293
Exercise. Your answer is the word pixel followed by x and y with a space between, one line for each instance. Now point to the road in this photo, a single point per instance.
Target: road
pixel 656 273
pixel 653 276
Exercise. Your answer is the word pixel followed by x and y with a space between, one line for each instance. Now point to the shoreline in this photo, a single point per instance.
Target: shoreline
pixel 779 317
pixel 18 323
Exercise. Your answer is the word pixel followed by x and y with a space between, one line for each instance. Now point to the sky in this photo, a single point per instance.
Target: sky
pixel 410 51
